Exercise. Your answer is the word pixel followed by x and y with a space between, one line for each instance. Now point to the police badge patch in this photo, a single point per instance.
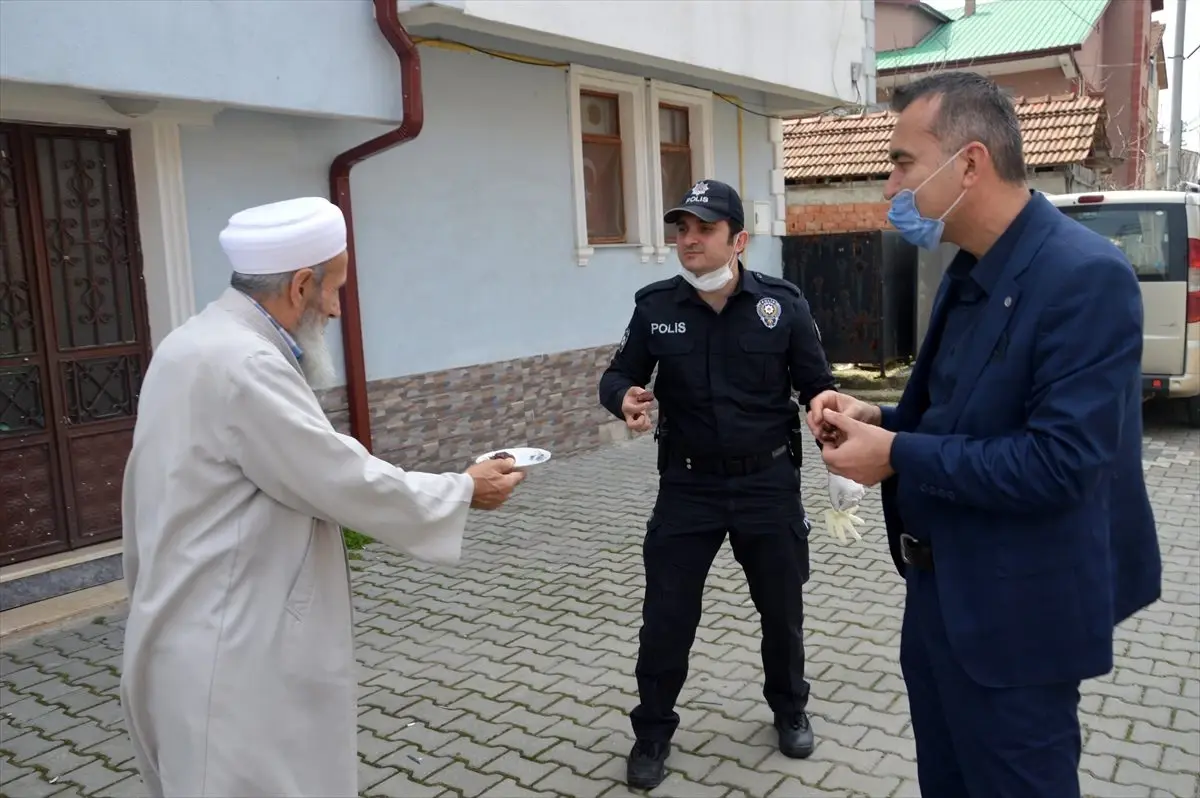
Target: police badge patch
pixel 624 340
pixel 768 311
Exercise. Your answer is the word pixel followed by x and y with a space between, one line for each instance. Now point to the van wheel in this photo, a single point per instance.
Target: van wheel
pixel 1192 409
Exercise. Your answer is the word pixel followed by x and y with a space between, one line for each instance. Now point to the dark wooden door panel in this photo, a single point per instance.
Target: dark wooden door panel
pixel 32 520
pixel 97 466
pixel 30 504
pixel 101 401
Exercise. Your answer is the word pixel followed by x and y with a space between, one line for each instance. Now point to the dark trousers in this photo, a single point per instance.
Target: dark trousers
pixel 975 741
pixel 765 523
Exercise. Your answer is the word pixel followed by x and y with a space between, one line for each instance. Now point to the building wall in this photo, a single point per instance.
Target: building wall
pixel 838 208
pixel 851 207
pixel 479 325
pixel 1154 146
pixel 1155 137
pixel 1125 76
pixel 327 57
pixel 709 38
pixel 330 59
pixel 1090 58
pixel 1036 83
pixel 1113 60
pixel 899 26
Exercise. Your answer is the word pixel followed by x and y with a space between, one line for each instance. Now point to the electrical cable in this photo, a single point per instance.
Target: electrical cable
pixel 449 44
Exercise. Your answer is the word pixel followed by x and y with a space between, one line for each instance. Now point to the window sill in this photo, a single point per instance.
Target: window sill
pixel 662 252
pixel 583 255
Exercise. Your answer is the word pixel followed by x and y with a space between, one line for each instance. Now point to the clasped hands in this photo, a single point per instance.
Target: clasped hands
pixel 853 444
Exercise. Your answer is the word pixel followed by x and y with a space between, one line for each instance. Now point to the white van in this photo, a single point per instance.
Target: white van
pixel 1159 231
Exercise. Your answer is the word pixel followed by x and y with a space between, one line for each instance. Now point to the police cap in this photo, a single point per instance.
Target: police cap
pixel 712 201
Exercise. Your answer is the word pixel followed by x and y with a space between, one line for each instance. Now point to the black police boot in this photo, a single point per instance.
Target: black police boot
pixel 795 735
pixel 647 764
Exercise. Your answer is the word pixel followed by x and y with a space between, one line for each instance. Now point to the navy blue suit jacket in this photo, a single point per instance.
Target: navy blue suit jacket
pixel 1032 496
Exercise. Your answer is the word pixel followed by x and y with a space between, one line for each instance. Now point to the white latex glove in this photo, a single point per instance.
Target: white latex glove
pixel 844 496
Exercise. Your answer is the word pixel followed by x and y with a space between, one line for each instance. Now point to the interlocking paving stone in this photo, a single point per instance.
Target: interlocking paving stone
pixel 511 674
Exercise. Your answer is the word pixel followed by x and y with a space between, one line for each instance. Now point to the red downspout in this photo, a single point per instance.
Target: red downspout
pixel 387 17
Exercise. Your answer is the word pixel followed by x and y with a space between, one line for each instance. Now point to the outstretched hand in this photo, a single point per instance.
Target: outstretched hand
pixel 495 481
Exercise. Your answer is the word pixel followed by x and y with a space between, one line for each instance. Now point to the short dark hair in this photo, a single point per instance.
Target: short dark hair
pixel 972 108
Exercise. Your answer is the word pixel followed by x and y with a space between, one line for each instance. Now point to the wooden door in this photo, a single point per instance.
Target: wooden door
pixel 73 336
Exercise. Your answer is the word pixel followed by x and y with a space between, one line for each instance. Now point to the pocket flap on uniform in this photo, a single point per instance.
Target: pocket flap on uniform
pixel 764 341
pixel 670 344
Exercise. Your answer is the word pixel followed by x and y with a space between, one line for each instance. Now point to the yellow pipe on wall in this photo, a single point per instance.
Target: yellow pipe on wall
pixel 736 102
pixel 457 47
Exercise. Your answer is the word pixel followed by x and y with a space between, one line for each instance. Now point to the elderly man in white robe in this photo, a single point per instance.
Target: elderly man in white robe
pixel 239 670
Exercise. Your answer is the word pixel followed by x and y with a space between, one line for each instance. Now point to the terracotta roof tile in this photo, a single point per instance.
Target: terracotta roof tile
pixel 1055 131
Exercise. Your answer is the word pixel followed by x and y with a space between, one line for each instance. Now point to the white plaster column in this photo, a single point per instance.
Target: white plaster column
pixel 163 225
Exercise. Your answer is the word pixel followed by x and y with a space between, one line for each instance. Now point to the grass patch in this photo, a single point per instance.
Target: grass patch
pixel 355 540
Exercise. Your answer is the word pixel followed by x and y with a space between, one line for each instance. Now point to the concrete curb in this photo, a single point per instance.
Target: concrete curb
pixel 41 616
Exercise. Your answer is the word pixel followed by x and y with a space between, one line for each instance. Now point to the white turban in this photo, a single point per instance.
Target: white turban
pixel 284 236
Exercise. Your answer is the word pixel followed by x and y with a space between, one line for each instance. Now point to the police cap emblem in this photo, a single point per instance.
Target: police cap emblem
pixel 768 311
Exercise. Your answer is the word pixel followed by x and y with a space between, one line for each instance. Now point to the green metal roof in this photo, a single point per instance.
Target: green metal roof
pixel 999 28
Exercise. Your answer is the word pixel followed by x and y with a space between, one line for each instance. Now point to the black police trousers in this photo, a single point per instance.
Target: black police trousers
pixel 764 518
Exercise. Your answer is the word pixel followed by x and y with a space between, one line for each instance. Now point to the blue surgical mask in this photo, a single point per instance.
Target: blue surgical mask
pixel 919 230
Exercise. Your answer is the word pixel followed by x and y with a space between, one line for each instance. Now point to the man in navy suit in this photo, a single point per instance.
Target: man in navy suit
pixel 1011 469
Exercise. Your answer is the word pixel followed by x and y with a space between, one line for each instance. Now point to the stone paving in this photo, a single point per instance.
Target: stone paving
pixel 511 674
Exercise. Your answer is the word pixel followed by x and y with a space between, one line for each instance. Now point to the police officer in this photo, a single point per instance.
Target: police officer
pixel 730 345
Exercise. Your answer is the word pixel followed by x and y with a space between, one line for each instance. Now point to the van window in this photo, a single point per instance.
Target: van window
pixel 1153 237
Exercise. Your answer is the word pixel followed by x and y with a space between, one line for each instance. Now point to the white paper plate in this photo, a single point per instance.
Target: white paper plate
pixel 525 456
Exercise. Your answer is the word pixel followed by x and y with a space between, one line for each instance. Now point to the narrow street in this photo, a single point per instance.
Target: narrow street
pixel 510 674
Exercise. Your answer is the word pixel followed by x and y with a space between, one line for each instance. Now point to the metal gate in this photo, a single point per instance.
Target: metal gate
pixel 861 289
pixel 73 336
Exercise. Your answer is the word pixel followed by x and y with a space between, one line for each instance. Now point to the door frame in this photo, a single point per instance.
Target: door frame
pixel 160 222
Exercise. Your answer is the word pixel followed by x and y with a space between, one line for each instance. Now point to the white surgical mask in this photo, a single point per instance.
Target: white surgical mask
pixel 714 280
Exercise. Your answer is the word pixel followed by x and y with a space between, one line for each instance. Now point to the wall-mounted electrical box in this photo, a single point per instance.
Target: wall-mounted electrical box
pixel 760 219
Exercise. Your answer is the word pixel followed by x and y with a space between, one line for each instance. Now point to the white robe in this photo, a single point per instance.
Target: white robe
pixel 239 676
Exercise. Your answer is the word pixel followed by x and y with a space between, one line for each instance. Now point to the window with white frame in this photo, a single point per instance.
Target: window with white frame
pixel 607 120
pixel 603 178
pixel 637 147
pixel 675 157
pixel 681 136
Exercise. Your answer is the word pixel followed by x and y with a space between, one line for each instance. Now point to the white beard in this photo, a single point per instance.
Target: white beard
pixel 317 362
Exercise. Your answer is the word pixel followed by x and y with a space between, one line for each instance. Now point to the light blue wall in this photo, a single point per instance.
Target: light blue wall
pixel 330 59
pixel 464 236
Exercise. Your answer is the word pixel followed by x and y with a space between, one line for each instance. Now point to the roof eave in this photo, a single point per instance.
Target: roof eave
pixel 995 59
pixel 833 180
pixel 936 15
pixel 1160 66
pixel 922 7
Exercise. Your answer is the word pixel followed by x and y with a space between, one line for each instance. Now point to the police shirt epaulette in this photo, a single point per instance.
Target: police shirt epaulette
pixel 778 282
pixel 653 288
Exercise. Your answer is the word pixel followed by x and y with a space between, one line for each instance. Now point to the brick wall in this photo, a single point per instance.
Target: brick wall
pixel 839 218
pixel 440 420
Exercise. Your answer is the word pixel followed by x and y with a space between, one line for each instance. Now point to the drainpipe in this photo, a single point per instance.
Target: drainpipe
pixel 387 17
